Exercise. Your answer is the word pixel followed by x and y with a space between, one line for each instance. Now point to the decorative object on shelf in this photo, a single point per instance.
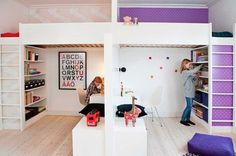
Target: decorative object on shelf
pixel 29 84
pixel 33 71
pixel 36 98
pixel 93 117
pixel 127 20
pixel 36 56
pixel 133 114
pixel 72 69
pixel 136 20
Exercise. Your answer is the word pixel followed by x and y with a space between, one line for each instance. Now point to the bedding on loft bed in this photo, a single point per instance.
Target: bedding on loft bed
pixel 222 34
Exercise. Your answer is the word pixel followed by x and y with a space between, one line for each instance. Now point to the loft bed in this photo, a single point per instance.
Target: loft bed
pixel 93 33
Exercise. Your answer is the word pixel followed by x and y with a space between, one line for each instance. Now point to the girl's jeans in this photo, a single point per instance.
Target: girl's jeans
pixel 187 110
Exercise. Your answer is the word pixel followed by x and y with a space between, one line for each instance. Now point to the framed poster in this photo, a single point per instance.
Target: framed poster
pixel 72 69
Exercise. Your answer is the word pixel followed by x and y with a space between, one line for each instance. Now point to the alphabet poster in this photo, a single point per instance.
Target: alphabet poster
pixel 72 70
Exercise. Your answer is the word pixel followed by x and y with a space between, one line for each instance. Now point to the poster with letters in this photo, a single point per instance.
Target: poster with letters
pixel 72 69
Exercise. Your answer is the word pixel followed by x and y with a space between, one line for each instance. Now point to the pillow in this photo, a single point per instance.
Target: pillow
pixel 91 106
pixel 127 107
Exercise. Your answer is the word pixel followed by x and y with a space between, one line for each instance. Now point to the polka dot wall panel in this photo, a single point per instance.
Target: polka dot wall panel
pixel 222 100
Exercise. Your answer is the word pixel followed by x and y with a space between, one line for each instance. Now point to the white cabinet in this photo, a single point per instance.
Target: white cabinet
pixel 89 141
pixel 129 140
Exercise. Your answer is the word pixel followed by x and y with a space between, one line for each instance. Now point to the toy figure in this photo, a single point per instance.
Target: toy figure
pixel 127 20
pixel 133 114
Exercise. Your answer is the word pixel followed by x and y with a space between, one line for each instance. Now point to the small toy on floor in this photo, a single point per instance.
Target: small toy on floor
pixel 93 117
pixel 133 114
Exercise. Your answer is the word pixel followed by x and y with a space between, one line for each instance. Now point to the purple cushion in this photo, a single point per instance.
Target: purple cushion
pixel 210 145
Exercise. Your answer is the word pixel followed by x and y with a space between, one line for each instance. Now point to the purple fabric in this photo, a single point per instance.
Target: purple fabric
pixel 175 15
pixel 222 48
pixel 222 100
pixel 210 145
pixel 222 114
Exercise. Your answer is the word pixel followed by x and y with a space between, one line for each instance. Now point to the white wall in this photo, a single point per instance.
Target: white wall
pixel 165 89
pixel 12 13
pixel 223 15
pixel 70 13
pixel 66 101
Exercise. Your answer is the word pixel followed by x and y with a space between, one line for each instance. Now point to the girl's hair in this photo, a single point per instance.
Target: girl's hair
pixel 97 79
pixel 183 63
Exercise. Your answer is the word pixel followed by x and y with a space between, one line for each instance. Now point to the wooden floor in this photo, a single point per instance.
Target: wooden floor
pixel 51 136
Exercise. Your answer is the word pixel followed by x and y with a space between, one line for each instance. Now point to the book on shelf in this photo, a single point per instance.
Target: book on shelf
pixel 31 56
pixel 28 98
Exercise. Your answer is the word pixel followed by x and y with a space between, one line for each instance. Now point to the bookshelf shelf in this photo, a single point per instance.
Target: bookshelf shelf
pixel 32 61
pixel 30 104
pixel 34 75
pixel 200 104
pixel 204 77
pixel 28 90
pixel 201 90
pixel 203 62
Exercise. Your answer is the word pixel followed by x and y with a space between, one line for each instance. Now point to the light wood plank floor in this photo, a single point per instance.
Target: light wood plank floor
pixel 51 136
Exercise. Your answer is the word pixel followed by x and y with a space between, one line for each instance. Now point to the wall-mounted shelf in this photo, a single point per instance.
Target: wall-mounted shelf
pixel 30 104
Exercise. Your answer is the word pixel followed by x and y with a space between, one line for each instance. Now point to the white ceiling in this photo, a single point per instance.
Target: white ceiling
pixel 63 2
pixel 170 2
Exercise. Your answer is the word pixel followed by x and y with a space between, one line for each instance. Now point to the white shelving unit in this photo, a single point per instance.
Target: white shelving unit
pixel 10 96
pixel 30 61
pixel 202 106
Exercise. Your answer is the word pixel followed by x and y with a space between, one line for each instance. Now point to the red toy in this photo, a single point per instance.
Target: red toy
pixel 133 114
pixel 93 117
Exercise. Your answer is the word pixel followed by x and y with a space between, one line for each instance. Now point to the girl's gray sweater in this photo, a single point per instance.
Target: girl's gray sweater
pixel 188 81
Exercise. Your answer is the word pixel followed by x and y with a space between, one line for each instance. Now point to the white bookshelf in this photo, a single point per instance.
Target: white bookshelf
pixel 10 105
pixel 204 50
pixel 39 64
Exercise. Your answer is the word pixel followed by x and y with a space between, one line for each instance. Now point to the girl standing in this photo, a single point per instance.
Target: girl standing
pixel 189 78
